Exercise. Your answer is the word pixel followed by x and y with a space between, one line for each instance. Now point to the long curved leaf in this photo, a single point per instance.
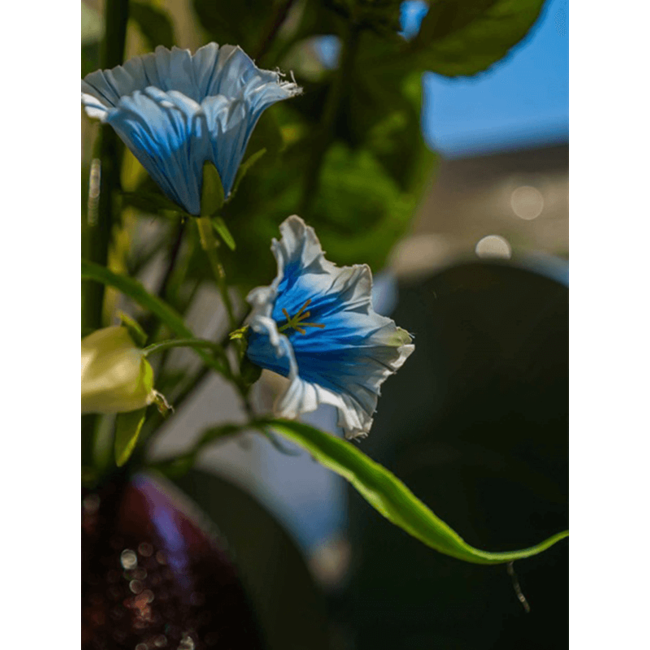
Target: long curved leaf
pixel 388 495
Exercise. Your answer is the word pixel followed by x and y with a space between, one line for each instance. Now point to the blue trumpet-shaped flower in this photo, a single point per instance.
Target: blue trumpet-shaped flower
pixel 315 325
pixel 175 111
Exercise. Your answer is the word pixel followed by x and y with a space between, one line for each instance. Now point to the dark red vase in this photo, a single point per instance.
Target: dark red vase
pixel 152 577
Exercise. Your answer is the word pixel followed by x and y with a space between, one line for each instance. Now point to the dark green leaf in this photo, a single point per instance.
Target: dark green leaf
pixel 127 431
pixel 249 372
pixel 390 497
pixel 155 24
pixel 463 37
pixel 243 23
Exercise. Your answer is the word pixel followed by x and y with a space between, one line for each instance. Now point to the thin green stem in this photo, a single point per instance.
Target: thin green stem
pixel 277 20
pixel 191 343
pixel 209 244
pixel 330 114
pixel 105 174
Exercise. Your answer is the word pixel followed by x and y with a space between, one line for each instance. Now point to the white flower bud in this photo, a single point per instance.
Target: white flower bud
pixel 115 375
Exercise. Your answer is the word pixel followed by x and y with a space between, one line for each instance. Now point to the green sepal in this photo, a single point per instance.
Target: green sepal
pixel 127 432
pixel 245 167
pixel 235 335
pixel 223 232
pixel 212 194
pixel 248 371
pixel 136 332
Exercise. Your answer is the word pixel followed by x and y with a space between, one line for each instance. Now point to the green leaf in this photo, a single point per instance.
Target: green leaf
pixel 463 37
pixel 127 431
pixel 212 194
pixel 134 290
pixel 391 498
pixel 154 24
pixel 221 228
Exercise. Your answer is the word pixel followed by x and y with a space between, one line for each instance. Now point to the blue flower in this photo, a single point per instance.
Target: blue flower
pixel 315 325
pixel 175 111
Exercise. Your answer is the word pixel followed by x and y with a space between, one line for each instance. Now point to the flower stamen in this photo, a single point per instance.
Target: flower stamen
pixel 297 322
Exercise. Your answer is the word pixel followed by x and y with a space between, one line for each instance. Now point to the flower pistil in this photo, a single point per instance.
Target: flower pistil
pixel 297 322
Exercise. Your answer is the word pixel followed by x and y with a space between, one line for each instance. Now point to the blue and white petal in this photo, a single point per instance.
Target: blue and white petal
pixel 342 351
pixel 175 111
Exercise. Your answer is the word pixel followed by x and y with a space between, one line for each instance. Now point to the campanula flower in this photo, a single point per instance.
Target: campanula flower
pixel 115 375
pixel 175 111
pixel 315 325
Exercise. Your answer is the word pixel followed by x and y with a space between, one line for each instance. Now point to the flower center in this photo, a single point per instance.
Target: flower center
pixel 297 322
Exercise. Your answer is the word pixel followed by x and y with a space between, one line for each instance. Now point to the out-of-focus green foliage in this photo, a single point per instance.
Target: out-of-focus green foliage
pixel 463 37
pixel 154 23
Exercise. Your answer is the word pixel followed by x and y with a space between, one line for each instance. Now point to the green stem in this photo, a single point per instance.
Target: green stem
pixel 98 222
pixel 209 244
pixel 277 20
pixel 330 113
pixel 185 343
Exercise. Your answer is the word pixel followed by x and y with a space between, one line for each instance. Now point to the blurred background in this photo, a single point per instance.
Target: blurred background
pixel 457 195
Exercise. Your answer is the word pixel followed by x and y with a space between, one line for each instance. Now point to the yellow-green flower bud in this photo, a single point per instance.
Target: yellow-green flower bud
pixel 115 375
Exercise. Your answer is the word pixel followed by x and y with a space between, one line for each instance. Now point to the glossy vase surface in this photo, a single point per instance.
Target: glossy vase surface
pixel 152 577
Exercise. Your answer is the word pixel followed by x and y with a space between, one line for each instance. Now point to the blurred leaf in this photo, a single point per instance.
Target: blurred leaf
pixel 155 24
pixel 463 37
pixel 391 498
pixel 89 58
pixel 127 431
pixel 223 232
pixel 249 372
pixel 381 16
pixel 289 605
pixel 360 211
pixel 244 23
pixel 92 31
pixel 92 25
